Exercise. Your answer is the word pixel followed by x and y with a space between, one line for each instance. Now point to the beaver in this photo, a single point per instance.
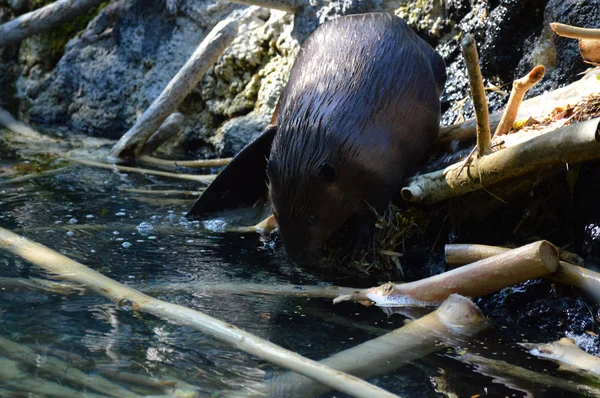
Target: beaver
pixel 360 108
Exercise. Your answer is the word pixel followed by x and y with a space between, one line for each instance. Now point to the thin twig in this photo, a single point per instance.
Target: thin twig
pixel 519 88
pixel 484 144
pixel 191 164
pixel 204 179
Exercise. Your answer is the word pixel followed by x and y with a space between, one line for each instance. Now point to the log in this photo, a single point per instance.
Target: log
pixel 519 88
pixel 190 164
pixel 474 280
pixel 575 143
pixel 566 273
pixel 205 56
pixel 204 179
pixel 61 370
pixel 456 320
pixel 43 19
pixel 533 107
pixel 566 352
pixel 482 116
pixel 131 299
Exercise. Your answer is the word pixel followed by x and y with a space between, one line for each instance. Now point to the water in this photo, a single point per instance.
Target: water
pixel 81 213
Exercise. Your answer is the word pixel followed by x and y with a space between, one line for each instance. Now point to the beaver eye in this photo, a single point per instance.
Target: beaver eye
pixel 328 171
pixel 311 219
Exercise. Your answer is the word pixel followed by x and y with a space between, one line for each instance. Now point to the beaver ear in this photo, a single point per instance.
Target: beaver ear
pixel 328 172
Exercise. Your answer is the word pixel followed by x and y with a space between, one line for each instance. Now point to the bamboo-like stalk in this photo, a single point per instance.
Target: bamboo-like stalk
pixel 568 274
pixel 167 192
pixel 205 56
pixel 540 105
pixel 519 89
pixel 575 143
pixel 566 352
pixel 62 370
pixel 574 32
pixel 167 129
pixel 590 51
pixel 456 320
pixel 43 19
pixel 497 369
pixel 128 298
pixel 474 280
pixel 482 117
pixel 191 164
pixel 12 375
pixel 291 6
pixel 204 179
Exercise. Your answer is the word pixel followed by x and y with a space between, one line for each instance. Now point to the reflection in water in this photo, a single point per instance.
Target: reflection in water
pixel 81 214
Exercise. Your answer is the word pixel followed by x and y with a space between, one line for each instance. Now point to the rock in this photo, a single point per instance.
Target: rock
pixel 236 133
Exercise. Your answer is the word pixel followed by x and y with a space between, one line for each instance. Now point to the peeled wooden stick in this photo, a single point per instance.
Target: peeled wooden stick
pixel 519 88
pixel 574 32
pixel 62 370
pixel 191 164
pixel 455 320
pixel 474 280
pixel 33 176
pixel 566 352
pixel 532 107
pixel 128 298
pixel 39 285
pixel 204 179
pixel 43 19
pixel 575 143
pixel 568 274
pixel 482 117
pixel 291 6
pixel 205 56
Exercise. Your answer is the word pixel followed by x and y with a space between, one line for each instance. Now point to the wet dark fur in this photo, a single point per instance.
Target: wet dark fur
pixel 361 106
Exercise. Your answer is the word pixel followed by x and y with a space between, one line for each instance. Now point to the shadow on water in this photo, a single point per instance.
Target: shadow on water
pixel 81 213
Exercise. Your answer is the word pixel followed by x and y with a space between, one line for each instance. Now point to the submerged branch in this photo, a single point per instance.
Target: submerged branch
pixel 62 370
pixel 167 192
pixel 474 280
pixel 128 298
pixel 204 179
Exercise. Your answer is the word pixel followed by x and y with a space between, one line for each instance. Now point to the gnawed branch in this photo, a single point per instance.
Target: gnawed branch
pixel 474 280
